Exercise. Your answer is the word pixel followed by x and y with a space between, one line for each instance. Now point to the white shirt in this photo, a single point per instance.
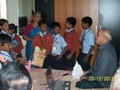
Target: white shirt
pixel 3 32
pixel 58 44
pixel 88 40
pixel 6 55
pixel 69 30
pixel 42 34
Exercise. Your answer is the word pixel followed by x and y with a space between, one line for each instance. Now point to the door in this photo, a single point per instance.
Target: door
pixel 46 7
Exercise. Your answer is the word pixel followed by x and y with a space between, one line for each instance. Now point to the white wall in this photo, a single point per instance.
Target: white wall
pixel 16 8
pixel 25 7
pixel 12 11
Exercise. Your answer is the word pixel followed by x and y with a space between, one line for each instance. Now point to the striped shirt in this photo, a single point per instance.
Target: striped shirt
pixel 106 63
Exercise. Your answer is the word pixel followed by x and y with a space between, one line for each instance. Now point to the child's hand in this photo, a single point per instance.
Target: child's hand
pixel 2 59
pixel 21 60
pixel 85 59
pixel 58 57
pixel 69 56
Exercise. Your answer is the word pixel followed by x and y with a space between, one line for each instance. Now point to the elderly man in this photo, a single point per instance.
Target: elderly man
pixel 106 64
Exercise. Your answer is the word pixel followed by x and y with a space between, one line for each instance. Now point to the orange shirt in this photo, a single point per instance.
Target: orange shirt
pixel 19 47
pixel 72 40
pixel 43 42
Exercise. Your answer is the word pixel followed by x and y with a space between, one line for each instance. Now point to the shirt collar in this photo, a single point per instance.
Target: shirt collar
pixel 57 35
pixel 104 45
pixel 4 52
pixel 3 32
pixel 69 30
pixel 87 30
pixel 42 34
pixel 12 36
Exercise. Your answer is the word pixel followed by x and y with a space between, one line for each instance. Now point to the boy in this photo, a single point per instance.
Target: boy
pixel 87 44
pixel 6 45
pixel 59 47
pixel 4 26
pixel 44 41
pixel 14 76
pixel 71 37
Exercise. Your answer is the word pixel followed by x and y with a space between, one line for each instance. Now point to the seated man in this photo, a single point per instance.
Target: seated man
pixel 106 64
pixel 14 76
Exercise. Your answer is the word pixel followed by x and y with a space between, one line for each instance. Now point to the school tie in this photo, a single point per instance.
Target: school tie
pixel 82 39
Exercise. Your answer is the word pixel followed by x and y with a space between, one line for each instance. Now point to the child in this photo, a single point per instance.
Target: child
pixel 6 45
pixel 13 32
pixel 32 33
pixel 4 26
pixel 71 37
pixel 59 47
pixel 87 44
pixel 43 40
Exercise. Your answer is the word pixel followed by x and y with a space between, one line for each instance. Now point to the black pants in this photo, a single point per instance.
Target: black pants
pixel 80 59
pixel 57 64
pixel 86 84
pixel 46 63
pixel 69 64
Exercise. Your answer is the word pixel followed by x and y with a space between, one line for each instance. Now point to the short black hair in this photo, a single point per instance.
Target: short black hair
pixel 3 21
pixel 87 20
pixel 12 26
pixel 14 76
pixel 71 21
pixel 5 39
pixel 56 24
pixel 41 22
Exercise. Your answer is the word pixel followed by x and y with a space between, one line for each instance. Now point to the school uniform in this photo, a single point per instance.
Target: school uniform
pixel 3 32
pixel 17 46
pixel 44 41
pixel 71 37
pixel 7 57
pixel 58 46
pixel 87 40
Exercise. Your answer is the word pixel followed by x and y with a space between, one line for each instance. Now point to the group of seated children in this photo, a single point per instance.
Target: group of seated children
pixel 60 51
pixel 10 43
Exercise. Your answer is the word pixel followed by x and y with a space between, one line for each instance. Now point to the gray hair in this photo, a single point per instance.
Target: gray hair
pixel 108 34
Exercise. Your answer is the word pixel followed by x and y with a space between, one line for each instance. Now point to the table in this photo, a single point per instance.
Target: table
pixel 40 83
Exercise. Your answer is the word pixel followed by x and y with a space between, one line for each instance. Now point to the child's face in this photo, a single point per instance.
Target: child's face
pixel 43 27
pixel 10 31
pixel 6 47
pixel 5 27
pixel 56 30
pixel 68 25
pixel 85 25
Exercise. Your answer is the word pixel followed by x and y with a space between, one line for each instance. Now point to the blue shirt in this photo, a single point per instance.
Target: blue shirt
pixel 88 40
pixel 58 44
pixel 6 55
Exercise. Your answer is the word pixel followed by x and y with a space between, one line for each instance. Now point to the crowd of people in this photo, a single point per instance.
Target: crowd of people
pixel 60 51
